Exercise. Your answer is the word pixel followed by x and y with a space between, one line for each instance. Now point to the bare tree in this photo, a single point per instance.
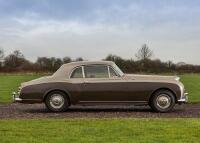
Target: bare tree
pixel 18 54
pixel 1 54
pixel 144 53
pixel 14 60
pixel 1 57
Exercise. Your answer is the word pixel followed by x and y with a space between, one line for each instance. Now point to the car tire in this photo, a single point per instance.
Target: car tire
pixel 162 101
pixel 57 101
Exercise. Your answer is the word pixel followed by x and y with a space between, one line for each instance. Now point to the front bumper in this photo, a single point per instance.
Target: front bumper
pixel 16 98
pixel 183 99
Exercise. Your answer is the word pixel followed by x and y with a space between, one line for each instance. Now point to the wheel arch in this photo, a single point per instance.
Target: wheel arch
pixel 163 88
pixel 67 94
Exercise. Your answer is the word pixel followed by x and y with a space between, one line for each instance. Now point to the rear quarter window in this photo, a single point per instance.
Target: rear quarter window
pixel 77 73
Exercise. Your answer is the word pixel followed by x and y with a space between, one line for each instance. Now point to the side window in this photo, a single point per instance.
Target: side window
pixel 96 71
pixel 112 72
pixel 77 73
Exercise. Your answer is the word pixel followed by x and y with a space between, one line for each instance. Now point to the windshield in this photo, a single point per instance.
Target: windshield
pixel 118 70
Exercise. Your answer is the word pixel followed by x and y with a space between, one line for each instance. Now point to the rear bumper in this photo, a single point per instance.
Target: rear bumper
pixel 183 99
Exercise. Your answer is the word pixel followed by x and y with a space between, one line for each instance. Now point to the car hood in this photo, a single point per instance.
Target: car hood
pixel 152 77
pixel 38 81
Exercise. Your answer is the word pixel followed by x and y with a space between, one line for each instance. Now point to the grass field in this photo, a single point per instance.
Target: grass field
pixel 192 85
pixel 100 130
pixel 10 83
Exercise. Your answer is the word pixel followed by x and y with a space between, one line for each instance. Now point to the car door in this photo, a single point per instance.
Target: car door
pixel 102 84
pixel 77 82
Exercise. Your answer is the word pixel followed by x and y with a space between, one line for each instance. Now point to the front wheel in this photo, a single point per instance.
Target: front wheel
pixel 162 101
pixel 57 101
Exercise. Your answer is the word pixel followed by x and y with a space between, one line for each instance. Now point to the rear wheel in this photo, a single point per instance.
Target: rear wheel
pixel 57 101
pixel 162 101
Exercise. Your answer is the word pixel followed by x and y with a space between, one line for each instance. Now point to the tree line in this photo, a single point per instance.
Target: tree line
pixel 16 62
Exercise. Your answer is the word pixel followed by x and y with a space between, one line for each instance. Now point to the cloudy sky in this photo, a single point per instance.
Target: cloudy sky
pixel 94 28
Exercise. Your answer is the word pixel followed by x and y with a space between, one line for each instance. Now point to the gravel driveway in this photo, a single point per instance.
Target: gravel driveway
pixel 31 111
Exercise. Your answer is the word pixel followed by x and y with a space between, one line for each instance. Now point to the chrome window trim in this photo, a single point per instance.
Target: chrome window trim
pixel 108 71
pixel 115 67
pixel 95 65
pixel 115 71
pixel 83 71
pixel 72 71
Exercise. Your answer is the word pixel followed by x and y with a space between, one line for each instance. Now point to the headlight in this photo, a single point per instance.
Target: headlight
pixel 19 90
pixel 177 78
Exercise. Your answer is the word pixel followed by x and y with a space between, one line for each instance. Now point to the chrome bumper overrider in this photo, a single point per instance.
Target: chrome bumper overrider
pixel 16 97
pixel 184 98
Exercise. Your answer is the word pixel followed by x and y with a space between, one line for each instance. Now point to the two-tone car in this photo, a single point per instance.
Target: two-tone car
pixel 100 83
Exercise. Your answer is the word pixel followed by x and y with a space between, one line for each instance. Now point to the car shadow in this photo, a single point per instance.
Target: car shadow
pixel 40 108
pixel 93 110
pixel 109 110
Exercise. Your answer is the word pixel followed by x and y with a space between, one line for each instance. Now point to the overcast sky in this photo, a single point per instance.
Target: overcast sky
pixel 94 28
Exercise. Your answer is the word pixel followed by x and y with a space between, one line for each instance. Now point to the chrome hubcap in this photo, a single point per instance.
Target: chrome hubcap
pixel 163 101
pixel 57 101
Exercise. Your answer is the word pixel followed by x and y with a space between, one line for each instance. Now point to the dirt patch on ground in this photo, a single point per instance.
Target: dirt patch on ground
pixel 39 111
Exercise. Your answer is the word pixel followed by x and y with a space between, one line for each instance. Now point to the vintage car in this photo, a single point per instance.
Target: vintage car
pixel 100 83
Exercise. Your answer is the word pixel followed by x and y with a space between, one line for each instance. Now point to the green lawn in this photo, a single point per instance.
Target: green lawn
pixel 10 83
pixel 98 130
pixel 101 130
pixel 192 85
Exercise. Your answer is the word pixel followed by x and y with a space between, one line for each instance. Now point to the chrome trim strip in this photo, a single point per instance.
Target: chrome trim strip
pixel 83 71
pixel 182 100
pixel 108 71
pixel 112 101
pixel 73 71
pixel 115 71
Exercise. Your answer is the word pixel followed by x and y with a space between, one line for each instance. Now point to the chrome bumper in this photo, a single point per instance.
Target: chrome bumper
pixel 16 97
pixel 183 99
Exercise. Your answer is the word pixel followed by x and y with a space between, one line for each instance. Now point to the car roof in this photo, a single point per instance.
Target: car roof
pixel 66 69
pixel 80 63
